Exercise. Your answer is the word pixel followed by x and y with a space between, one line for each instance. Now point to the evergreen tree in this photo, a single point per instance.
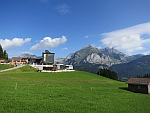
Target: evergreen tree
pixel 5 55
pixel 1 52
pixel 107 73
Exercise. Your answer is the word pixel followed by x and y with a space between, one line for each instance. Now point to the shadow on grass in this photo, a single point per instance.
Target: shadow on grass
pixel 124 88
pixel 134 91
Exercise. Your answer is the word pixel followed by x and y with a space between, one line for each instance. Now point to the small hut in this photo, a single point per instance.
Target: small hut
pixel 139 85
pixel 2 61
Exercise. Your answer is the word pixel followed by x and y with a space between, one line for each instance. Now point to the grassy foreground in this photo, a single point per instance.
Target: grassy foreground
pixel 5 66
pixel 27 91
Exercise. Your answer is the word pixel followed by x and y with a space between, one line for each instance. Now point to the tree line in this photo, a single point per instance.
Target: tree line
pixel 144 76
pixel 107 73
pixel 3 54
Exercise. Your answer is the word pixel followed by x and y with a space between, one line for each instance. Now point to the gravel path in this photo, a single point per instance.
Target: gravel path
pixel 12 68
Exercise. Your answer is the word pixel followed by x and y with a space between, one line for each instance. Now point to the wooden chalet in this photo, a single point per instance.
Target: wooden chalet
pixel 2 61
pixel 22 60
pixel 18 60
pixel 139 85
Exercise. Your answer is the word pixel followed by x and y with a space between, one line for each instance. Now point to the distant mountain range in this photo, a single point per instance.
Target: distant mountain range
pixel 89 54
pixel 91 59
pixel 137 67
pixel 27 55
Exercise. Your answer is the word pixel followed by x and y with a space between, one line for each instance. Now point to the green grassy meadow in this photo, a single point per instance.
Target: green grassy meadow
pixel 27 91
pixel 5 66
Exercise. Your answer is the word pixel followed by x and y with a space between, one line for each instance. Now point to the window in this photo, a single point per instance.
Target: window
pixel 139 87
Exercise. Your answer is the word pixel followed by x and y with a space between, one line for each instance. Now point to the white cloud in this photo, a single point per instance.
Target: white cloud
pixel 89 36
pixel 146 53
pixel 65 48
pixel 86 36
pixel 129 39
pixel 63 9
pixel 99 47
pixel 14 43
pixel 48 42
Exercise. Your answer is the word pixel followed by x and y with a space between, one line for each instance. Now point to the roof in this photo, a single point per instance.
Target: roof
pixel 47 52
pixel 144 81
pixel 16 58
pixel 32 58
pixel 2 61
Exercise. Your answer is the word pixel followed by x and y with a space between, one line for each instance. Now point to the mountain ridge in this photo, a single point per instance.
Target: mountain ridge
pixel 137 67
pixel 27 55
pixel 89 54
pixel 91 59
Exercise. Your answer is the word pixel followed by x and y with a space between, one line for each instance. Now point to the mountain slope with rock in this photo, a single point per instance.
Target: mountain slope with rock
pixel 89 54
pixel 91 59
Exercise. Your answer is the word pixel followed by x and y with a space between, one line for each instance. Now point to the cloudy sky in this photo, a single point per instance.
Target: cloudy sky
pixel 65 26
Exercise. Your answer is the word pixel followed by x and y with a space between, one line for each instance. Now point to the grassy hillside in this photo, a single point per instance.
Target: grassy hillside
pixel 79 92
pixel 25 69
pixel 5 66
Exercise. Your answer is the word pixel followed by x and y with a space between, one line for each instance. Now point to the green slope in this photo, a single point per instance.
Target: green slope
pixel 79 92
pixel 5 66
pixel 23 69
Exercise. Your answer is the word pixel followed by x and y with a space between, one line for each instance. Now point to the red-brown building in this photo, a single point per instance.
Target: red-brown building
pixel 18 60
pixel 139 85
pixel 2 61
pixel 21 60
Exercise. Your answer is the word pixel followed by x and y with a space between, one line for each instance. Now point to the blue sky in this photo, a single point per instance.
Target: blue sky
pixel 65 26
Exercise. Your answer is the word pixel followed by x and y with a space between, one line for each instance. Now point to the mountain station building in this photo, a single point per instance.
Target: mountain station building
pixel 48 64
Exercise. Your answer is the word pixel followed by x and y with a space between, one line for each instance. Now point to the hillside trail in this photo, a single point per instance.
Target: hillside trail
pixel 19 66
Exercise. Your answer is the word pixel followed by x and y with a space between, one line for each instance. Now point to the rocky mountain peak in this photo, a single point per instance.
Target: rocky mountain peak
pixel 110 50
pixel 27 55
pixel 89 46
pixel 90 54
